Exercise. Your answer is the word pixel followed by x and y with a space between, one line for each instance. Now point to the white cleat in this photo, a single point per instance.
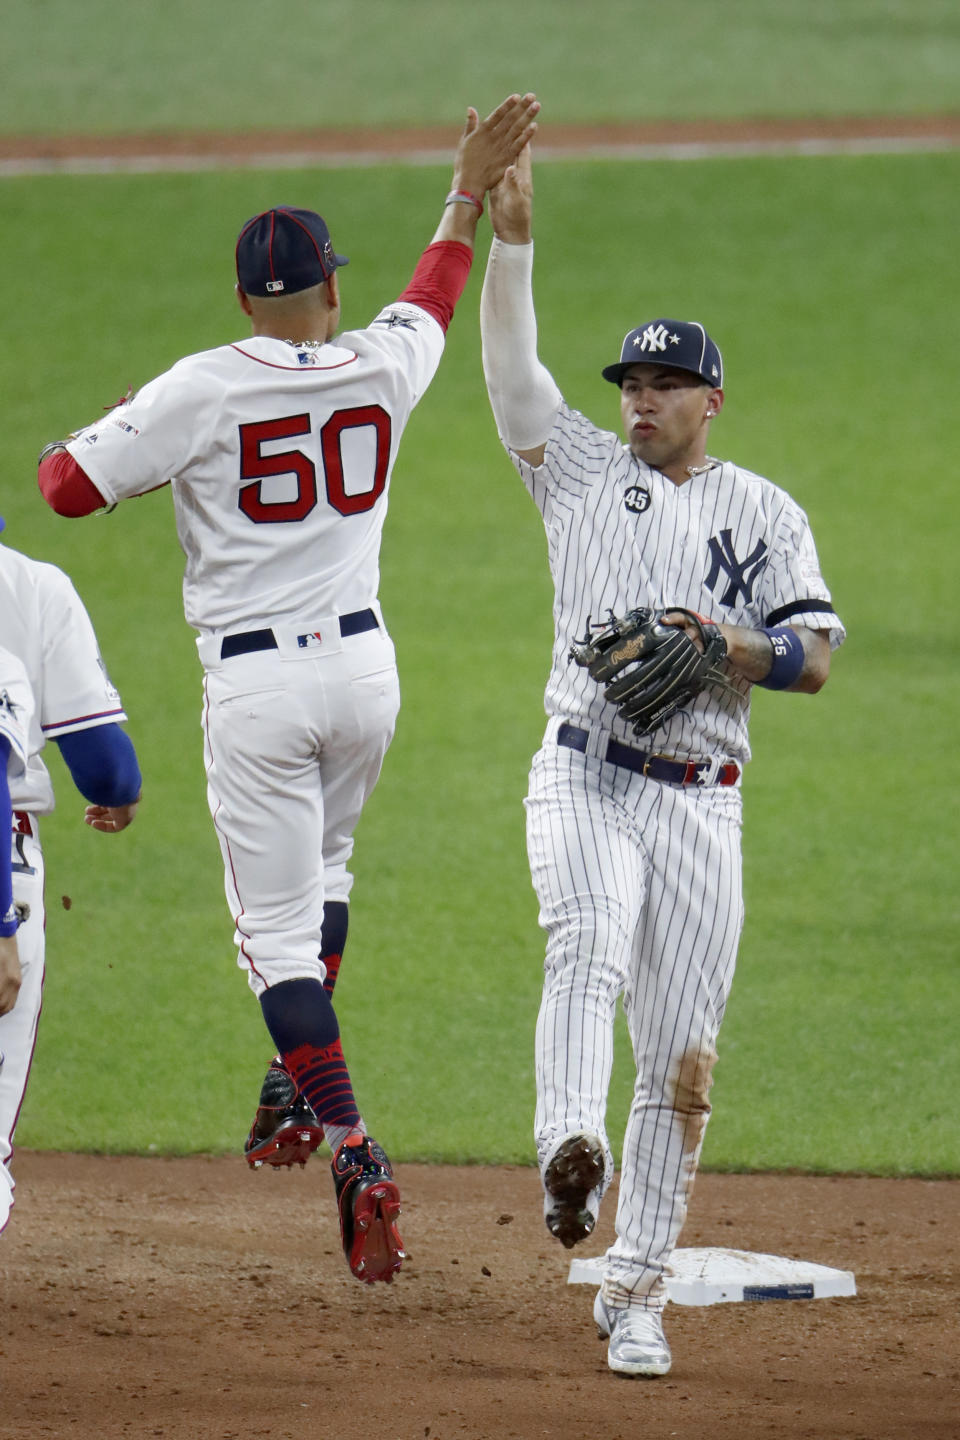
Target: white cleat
pixel 638 1346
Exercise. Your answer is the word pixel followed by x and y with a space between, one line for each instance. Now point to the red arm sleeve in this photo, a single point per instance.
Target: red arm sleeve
pixel 437 283
pixel 66 488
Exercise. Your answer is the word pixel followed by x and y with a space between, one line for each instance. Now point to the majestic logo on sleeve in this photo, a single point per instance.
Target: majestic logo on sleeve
pixel 112 690
pixel 655 339
pixel 741 575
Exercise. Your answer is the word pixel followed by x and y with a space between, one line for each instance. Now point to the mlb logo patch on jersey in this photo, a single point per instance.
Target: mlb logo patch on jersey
pixel 313 638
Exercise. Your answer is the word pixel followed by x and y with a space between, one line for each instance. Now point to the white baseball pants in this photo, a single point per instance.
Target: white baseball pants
pixel 18 1028
pixel 639 885
pixel 294 743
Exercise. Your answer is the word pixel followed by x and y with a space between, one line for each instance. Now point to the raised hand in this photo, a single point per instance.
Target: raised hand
pixel 511 201
pixel 487 147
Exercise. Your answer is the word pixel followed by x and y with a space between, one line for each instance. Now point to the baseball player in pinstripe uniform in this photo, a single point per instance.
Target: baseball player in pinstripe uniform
pixel 634 845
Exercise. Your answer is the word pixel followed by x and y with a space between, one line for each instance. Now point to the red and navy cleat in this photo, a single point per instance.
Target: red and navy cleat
pixel 369 1204
pixel 285 1131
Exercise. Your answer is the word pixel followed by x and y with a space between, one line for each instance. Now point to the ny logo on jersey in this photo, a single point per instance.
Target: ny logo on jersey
pixel 741 574
pixel 655 339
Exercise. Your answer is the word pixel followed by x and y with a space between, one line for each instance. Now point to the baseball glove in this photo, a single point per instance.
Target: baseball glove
pixel 650 670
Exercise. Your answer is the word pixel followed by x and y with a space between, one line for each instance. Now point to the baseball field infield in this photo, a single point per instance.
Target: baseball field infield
pixel 192 1299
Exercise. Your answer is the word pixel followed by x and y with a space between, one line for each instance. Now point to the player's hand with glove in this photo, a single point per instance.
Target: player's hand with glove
pixel 653 663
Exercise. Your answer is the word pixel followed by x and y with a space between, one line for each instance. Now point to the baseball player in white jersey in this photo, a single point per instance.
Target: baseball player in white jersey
pixel 16 710
pixel 279 451
pixel 634 846
pixel 70 699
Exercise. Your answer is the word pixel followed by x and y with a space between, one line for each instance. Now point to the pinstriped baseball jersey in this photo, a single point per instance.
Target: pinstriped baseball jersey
pixel 727 543
pixel 279 456
pixel 639 883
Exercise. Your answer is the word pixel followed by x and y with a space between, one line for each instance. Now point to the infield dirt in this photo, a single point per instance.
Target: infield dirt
pixel 193 1299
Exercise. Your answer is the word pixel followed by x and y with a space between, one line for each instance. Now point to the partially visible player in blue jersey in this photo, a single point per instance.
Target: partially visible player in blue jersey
pixel 59 690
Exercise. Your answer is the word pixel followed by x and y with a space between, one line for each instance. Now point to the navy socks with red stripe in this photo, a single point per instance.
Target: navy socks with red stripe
pixel 304 1027
pixel 333 939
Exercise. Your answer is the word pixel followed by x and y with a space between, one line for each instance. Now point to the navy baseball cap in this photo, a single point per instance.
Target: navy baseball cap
pixel 284 250
pixel 676 344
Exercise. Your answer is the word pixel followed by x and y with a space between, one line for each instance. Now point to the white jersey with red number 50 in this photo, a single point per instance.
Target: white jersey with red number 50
pixel 279 456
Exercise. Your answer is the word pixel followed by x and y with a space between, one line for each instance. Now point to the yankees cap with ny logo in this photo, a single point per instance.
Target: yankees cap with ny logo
pixel 283 250
pixel 676 344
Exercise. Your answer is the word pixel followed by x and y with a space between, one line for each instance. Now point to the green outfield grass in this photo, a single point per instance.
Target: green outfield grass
pixel 830 285
pixel 254 63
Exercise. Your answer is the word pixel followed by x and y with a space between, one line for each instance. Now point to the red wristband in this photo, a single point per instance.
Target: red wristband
pixel 463 196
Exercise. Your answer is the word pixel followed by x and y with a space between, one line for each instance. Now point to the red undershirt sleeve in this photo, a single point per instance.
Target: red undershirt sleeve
pixel 439 278
pixel 67 488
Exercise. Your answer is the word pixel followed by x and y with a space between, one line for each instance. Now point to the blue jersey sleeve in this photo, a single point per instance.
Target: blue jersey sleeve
pixel 103 764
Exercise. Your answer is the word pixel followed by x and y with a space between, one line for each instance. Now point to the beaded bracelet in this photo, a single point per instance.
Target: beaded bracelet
pixel 463 197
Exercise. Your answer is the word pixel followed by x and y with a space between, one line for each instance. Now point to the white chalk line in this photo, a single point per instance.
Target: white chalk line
pixel 314 158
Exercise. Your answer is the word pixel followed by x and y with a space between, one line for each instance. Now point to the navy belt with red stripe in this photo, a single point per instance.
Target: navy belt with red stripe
pixel 249 640
pixel 654 767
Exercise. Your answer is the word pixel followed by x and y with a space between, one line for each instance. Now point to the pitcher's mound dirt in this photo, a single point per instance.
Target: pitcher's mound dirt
pixel 192 1299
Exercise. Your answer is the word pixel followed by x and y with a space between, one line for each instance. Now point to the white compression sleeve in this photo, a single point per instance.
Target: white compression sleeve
pixel 523 393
